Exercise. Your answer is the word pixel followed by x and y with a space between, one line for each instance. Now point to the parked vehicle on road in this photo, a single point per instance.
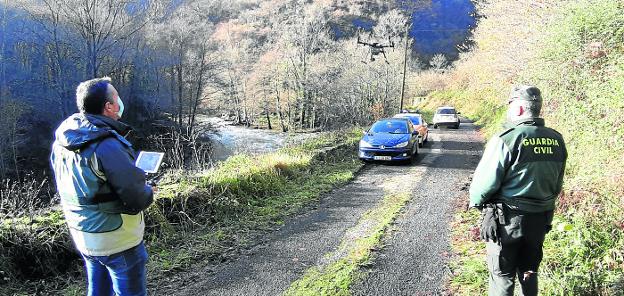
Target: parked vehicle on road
pixel 390 139
pixel 446 116
pixel 419 124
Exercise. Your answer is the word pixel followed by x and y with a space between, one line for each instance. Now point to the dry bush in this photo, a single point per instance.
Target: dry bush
pixel 428 81
pixel 10 113
pixel 24 197
pixel 184 148
pixel 35 248
pixel 34 240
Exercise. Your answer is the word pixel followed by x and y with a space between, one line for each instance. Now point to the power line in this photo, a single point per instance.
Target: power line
pixel 436 30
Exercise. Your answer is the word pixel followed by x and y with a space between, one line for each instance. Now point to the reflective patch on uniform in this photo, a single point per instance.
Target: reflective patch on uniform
pixel 541 145
pixel 540 141
pixel 541 149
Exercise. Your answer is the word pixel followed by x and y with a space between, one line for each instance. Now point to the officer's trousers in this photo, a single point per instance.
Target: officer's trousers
pixel 519 253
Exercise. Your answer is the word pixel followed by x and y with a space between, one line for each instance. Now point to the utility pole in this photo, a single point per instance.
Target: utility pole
pixel 404 68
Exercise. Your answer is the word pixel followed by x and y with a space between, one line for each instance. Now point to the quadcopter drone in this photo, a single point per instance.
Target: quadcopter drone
pixel 376 48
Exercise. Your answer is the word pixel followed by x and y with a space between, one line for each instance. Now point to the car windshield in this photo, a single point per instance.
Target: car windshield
pixel 414 119
pixel 446 111
pixel 390 126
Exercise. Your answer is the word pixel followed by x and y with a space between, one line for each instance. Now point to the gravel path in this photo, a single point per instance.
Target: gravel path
pixel 414 259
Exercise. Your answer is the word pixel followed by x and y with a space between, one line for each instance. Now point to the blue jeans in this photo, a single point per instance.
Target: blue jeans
pixel 121 274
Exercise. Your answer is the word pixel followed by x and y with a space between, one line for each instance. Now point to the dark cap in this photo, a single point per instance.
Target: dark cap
pixel 526 93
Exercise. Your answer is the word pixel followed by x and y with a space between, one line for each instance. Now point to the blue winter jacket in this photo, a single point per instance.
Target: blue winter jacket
pixel 102 192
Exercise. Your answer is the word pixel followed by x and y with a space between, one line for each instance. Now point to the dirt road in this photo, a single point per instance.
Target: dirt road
pixel 413 261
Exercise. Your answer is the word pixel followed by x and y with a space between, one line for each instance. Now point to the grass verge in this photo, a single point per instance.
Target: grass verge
pixel 341 268
pixel 336 278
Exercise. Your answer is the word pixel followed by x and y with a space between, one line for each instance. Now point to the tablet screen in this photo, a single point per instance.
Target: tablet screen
pixel 149 161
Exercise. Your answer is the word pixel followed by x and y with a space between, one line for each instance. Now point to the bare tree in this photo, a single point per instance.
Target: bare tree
pixel 103 28
pixel 306 35
pixel 438 62
pixel 10 113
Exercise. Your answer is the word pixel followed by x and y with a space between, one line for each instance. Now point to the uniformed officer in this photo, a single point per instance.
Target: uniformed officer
pixel 516 184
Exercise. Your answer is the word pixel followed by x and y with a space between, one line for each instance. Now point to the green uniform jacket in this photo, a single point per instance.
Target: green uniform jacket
pixel 521 167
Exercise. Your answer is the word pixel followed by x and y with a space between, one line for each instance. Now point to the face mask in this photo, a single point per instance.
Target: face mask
pixel 121 107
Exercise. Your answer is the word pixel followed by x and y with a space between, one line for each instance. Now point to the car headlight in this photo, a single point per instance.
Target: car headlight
pixel 401 145
pixel 364 144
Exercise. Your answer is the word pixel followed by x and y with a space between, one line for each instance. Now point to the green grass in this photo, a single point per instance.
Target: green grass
pixel 583 258
pixel 468 266
pixel 337 277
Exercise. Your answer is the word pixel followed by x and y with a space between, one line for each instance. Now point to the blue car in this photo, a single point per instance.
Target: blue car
pixel 391 139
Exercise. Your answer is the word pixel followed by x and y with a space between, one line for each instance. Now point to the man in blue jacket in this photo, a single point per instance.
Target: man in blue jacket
pixel 102 192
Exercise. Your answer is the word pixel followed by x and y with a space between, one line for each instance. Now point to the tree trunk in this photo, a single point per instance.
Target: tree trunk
pixel 302 113
pixel 180 93
pixel 313 117
pixel 268 117
pixel 200 86
pixel 279 110
pixel 245 110
pixel 291 120
pixel 93 51
pixel 172 89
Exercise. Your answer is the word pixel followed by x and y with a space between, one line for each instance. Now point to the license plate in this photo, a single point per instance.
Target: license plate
pixel 382 157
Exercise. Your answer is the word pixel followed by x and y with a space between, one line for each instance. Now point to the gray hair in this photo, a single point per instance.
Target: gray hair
pixel 532 108
pixel 92 95
pixel 529 97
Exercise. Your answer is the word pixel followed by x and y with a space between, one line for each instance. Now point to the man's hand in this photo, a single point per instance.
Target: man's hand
pixel 489 226
pixel 154 188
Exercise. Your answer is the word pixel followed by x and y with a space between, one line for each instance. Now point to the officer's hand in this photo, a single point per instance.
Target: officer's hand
pixel 489 227
pixel 154 189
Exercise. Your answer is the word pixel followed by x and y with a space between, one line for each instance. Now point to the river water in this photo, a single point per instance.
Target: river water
pixel 229 139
